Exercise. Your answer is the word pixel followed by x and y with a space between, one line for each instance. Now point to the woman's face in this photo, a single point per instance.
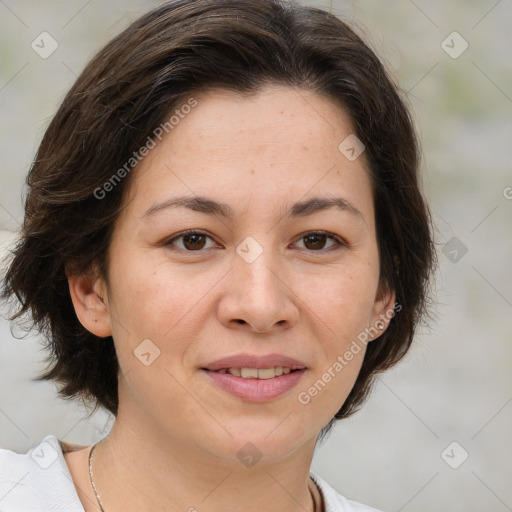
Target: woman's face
pixel 254 282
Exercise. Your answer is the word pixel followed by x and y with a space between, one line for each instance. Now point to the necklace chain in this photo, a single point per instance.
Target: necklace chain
pixel 92 480
pixel 315 504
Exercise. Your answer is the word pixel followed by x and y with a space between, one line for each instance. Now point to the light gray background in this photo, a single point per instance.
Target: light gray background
pixel 455 384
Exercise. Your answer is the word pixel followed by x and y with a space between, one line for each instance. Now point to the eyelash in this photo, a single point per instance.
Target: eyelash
pixel 327 234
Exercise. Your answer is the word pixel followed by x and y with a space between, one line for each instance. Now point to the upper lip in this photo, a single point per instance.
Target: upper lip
pixel 255 361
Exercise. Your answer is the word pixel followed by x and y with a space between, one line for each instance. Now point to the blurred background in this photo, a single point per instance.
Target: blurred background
pixel 436 432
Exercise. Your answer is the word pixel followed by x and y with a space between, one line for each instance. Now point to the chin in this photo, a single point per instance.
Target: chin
pixel 270 441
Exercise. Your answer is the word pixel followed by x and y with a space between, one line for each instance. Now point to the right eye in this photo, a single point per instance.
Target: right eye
pixel 193 240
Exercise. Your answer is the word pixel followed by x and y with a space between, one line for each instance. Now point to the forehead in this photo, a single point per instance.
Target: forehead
pixel 256 149
pixel 274 118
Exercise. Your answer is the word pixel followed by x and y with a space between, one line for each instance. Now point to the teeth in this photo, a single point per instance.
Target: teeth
pixel 257 373
pixel 266 373
pixel 249 373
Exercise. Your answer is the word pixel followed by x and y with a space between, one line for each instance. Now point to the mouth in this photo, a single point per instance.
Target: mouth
pixel 255 377
pixel 257 373
pixel 255 385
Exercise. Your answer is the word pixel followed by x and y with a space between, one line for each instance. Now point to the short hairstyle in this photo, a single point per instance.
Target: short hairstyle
pixel 130 88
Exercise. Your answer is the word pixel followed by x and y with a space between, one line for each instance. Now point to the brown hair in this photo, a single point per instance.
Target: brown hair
pixel 130 87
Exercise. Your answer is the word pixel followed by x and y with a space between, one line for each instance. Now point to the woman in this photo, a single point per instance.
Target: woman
pixel 224 242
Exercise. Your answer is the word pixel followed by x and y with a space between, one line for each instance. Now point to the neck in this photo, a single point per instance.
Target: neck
pixel 138 468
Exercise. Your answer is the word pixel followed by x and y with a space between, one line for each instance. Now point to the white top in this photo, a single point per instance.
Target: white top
pixel 40 481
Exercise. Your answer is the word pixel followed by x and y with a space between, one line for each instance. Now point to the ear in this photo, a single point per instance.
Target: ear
pixel 383 311
pixel 89 295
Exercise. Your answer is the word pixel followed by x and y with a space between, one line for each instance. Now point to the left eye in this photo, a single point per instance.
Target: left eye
pixel 316 238
pixel 194 240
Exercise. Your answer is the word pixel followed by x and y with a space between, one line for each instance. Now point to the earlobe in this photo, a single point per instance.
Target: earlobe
pixel 89 296
pixel 383 311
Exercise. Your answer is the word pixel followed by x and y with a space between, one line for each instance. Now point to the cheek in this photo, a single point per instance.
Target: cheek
pixel 158 301
pixel 340 312
pixel 154 316
pixel 342 300
pixel 147 292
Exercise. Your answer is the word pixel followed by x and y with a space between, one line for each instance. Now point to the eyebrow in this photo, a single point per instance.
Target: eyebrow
pixel 211 207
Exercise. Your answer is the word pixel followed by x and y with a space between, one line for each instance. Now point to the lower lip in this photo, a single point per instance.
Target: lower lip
pixel 256 390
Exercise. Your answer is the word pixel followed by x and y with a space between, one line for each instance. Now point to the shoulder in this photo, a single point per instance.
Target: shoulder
pixel 38 480
pixel 335 502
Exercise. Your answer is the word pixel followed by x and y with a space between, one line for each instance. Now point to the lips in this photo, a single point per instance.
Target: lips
pixel 255 378
pixel 255 373
pixel 253 361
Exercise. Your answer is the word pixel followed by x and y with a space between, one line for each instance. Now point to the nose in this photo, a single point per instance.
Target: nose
pixel 258 296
